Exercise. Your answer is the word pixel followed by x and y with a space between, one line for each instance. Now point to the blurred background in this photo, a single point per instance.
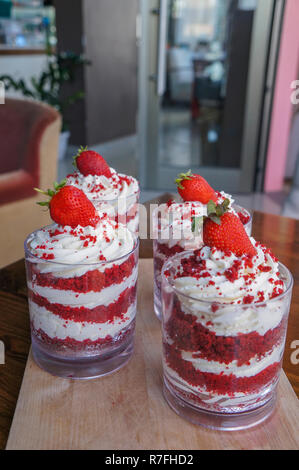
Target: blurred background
pixel 157 87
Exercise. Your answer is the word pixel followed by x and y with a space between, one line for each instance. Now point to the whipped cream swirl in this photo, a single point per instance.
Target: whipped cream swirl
pixel 53 244
pixel 105 188
pixel 215 276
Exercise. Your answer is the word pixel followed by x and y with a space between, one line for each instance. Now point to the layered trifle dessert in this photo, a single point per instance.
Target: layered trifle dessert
pixel 174 220
pixel 110 192
pixel 225 310
pixel 82 277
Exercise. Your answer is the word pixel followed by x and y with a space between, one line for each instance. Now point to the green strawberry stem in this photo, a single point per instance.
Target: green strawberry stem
pixel 215 212
pixel 50 193
pixel 182 177
pixel 80 150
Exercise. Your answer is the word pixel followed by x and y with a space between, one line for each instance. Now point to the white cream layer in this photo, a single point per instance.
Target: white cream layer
pixel 231 321
pixel 254 366
pixel 57 327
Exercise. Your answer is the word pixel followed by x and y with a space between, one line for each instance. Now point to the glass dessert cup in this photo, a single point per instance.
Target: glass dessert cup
pixel 164 248
pixel 123 210
pixel 222 362
pixel 82 316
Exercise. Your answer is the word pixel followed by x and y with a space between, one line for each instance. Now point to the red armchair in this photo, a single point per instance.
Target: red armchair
pixel 29 133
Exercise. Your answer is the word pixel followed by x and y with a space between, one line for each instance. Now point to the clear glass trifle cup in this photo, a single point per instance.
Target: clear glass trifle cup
pixel 82 314
pixel 124 210
pixel 172 230
pixel 222 358
pixel 110 192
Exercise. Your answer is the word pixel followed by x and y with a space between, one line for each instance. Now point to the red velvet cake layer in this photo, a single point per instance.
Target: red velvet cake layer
pixel 190 335
pixel 218 383
pixel 70 343
pixel 93 280
pixel 99 314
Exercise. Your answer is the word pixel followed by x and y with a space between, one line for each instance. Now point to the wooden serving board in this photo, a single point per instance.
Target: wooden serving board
pixel 126 410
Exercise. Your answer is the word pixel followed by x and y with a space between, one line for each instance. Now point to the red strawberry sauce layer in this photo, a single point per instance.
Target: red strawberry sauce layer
pixel 68 343
pixel 93 280
pixel 218 383
pixel 99 314
pixel 190 335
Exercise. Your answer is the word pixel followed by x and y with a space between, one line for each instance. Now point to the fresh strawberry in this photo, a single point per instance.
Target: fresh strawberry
pixel 69 206
pixel 194 187
pixel 90 162
pixel 227 235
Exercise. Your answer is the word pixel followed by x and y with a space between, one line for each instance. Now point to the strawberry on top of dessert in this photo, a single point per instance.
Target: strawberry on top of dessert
pixel 192 187
pixel 99 181
pixel 230 267
pixel 79 234
pixel 175 217
pixel 82 277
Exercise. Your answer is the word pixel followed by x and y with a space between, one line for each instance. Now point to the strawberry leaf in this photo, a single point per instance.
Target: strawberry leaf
pixel 225 204
pixel 45 203
pixel 211 207
pixel 182 177
pixel 215 219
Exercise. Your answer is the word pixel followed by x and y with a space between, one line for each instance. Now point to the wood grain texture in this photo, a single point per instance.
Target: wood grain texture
pixel 126 410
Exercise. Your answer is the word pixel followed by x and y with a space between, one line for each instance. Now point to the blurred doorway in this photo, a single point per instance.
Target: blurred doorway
pixel 202 76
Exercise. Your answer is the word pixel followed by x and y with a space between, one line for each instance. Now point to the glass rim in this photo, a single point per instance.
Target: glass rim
pixel 215 302
pixel 97 263
pixel 248 211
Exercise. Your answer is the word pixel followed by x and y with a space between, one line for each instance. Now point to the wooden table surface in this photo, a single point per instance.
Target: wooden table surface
pixel 279 233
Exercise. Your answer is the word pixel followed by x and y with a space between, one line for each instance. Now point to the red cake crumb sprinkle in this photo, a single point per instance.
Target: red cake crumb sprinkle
pixel 47 256
pixel 261 296
pixel 170 202
pixel 264 269
pixel 166 251
pixel 276 291
pixel 244 217
pixel 248 299
pixel 214 308
pixel 56 233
